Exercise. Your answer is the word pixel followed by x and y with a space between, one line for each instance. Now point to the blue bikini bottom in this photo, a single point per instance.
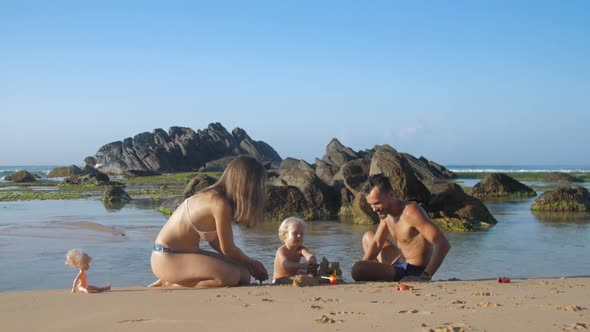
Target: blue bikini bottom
pixel 161 248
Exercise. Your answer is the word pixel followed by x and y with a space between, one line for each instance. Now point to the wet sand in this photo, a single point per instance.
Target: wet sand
pixel 522 305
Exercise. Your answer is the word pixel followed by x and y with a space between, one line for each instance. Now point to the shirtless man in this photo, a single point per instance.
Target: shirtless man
pixel 422 246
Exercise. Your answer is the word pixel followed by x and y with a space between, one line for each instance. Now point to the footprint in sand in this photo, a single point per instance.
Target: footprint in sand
pixel 458 304
pixel 267 300
pixel 348 313
pixel 316 306
pixel 450 327
pixel 258 293
pixel 322 299
pixel 571 308
pixel 139 320
pixel 488 305
pixel 414 311
pixel 327 320
pixel 576 327
pixel 483 294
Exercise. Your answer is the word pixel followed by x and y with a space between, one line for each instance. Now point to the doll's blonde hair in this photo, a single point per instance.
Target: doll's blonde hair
pixel 77 258
pixel 283 229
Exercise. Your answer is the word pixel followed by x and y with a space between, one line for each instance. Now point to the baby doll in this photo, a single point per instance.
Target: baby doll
pixel 80 260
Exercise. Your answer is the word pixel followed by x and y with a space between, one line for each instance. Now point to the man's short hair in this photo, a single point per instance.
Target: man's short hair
pixel 377 180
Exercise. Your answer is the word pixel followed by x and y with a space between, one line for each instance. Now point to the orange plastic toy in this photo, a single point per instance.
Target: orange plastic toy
pixel 403 287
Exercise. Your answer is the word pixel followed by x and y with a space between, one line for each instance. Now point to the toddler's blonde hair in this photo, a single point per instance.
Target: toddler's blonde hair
pixel 285 225
pixel 77 258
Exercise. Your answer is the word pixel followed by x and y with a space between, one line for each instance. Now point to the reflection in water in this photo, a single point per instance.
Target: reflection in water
pixel 522 244
pixel 561 217
pixel 114 206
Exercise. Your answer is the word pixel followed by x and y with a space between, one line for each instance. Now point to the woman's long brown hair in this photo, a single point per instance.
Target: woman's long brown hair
pixel 242 185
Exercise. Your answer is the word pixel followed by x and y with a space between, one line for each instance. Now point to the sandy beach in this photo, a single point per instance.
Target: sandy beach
pixel 521 305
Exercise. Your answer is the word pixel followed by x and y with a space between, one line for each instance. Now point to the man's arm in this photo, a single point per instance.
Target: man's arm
pixel 378 242
pixel 420 220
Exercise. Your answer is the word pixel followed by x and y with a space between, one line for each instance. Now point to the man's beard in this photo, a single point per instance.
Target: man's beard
pixel 383 213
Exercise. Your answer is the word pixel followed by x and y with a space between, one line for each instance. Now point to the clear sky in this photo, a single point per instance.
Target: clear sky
pixel 459 82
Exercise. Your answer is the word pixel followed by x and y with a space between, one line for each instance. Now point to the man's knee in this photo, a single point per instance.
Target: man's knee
pixel 358 271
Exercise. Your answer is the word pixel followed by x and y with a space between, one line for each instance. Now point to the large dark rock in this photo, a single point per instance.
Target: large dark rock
pixel 500 185
pixel 287 201
pixel 218 165
pixel 94 178
pixel 428 171
pixel 404 182
pixel 338 154
pixel 322 198
pixel 179 150
pixel 560 177
pixel 66 171
pixel 563 199
pixel 453 210
pixel 435 167
pixel 20 177
pixel 289 164
pixel 196 184
pixel 325 171
pixel 353 175
pixel 346 202
pixel 115 194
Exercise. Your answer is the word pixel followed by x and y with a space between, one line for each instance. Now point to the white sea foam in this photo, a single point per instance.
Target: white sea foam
pixel 486 170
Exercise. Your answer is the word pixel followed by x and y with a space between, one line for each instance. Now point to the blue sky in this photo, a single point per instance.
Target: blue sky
pixel 459 82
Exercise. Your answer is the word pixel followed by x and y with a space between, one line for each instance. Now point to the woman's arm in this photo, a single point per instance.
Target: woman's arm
pixel 223 214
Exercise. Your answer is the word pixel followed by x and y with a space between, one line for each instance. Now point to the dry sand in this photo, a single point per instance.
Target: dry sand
pixel 522 305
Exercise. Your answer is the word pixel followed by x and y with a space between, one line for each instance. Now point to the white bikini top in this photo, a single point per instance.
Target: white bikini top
pixel 207 236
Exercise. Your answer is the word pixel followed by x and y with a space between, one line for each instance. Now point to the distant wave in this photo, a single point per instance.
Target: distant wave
pixel 42 171
pixel 517 169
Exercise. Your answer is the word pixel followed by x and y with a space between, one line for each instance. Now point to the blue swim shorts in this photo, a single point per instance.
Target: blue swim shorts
pixel 405 269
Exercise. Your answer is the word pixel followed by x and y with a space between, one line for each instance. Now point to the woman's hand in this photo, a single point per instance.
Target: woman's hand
pixel 258 270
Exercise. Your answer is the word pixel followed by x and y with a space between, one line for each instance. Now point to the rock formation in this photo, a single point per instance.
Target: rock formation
pixel 500 185
pixel 563 199
pixel 179 150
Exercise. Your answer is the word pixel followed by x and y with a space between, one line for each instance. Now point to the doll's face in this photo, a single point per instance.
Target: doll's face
pixel 294 235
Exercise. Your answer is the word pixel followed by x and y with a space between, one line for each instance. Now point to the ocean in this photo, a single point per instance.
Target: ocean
pixel 35 236
pixel 518 168
pixel 42 171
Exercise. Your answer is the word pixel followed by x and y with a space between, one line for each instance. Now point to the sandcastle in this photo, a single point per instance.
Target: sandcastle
pixel 314 275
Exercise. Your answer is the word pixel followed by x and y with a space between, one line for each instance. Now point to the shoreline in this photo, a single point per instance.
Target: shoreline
pixel 523 305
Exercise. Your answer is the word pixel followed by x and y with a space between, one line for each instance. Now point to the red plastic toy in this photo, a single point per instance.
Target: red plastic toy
pixel 503 280
pixel 333 279
pixel 403 287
